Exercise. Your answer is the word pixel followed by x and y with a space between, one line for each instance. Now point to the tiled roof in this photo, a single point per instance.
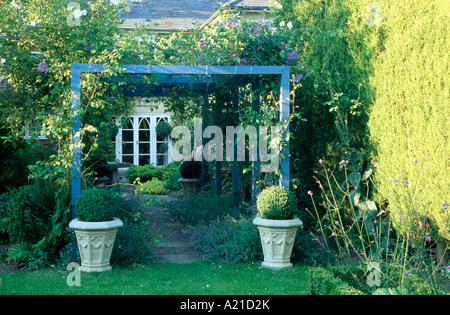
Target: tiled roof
pixel 252 4
pixel 164 15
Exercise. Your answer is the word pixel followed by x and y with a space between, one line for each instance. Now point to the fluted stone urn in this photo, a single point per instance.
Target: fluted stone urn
pixel 95 243
pixel 277 239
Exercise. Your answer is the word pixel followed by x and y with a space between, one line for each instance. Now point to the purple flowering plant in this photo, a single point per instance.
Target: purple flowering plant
pixel 42 67
pixel 234 40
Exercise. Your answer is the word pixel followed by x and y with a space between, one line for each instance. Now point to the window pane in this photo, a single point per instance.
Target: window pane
pixel 128 124
pixel 127 158
pixel 127 135
pixel 144 159
pixel 144 135
pixel 161 159
pixel 144 148
pixel 127 148
pixel 144 124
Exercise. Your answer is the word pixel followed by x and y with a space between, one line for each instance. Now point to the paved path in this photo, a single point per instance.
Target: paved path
pixel 175 245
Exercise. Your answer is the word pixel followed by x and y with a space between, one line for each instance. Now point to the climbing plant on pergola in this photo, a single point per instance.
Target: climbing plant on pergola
pixel 176 75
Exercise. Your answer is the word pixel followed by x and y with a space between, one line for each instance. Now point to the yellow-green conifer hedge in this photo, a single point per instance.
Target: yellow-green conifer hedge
pixel 409 120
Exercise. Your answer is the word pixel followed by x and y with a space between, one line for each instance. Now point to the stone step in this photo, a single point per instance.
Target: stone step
pixel 174 251
pixel 174 245
pixel 178 259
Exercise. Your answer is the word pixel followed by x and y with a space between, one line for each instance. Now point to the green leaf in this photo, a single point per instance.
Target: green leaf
pixel 354 179
pixel 367 205
pixel 370 227
pixel 355 196
pixel 366 175
pixel 356 158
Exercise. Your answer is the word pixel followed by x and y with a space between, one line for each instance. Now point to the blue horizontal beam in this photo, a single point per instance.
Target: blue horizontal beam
pixel 188 70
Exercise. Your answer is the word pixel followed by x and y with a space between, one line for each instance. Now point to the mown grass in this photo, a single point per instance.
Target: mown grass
pixel 200 278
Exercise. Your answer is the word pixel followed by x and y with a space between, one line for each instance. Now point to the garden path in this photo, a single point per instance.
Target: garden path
pixel 175 245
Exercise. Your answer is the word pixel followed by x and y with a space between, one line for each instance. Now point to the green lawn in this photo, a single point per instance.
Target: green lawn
pixel 200 278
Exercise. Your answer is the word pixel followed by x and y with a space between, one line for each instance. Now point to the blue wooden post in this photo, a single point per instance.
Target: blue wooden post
pixel 234 164
pixel 256 165
pixel 76 126
pixel 284 115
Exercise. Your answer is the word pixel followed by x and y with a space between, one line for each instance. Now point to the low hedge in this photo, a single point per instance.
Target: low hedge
pixel 323 282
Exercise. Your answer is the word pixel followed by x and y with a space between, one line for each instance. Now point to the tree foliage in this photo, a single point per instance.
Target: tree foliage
pixel 38 46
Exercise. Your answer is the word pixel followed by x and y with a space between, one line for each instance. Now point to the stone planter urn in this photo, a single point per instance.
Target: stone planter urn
pixel 190 177
pixel 277 224
pixel 277 240
pixel 95 243
pixel 190 186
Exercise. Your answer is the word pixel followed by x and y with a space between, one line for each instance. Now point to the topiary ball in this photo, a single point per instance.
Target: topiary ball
pixel 276 203
pixel 95 205
pixel 191 169
pixel 163 129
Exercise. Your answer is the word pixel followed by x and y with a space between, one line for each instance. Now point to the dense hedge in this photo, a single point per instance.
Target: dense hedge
pixel 380 71
pixel 409 125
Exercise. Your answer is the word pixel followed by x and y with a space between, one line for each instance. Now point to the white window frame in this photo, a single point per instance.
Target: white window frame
pixel 153 139
pixel 27 133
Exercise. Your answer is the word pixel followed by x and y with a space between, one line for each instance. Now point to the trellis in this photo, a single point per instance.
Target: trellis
pixel 177 75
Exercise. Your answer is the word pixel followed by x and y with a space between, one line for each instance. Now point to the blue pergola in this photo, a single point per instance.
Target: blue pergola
pixel 173 75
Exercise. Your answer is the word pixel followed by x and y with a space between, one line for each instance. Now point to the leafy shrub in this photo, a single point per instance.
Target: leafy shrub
pixel 143 172
pixel 103 149
pixel 323 282
pixel 35 223
pixel 32 207
pixel 14 158
pixel 201 208
pixel 153 187
pixel 149 171
pixel 5 201
pixel 338 55
pixel 276 203
pixel 96 205
pixel 172 182
pixel 19 212
pixel 170 168
pixel 227 240
pixel 191 169
pixel 163 148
